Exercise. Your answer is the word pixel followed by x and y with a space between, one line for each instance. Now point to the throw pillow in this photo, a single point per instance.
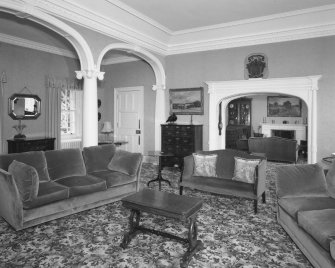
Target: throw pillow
pixel 245 169
pixel 125 162
pixel 205 165
pixel 26 179
pixel 330 179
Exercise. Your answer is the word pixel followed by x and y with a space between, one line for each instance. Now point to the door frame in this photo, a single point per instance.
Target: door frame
pixel 141 90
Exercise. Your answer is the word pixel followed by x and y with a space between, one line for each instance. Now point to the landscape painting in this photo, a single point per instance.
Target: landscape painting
pixel 187 101
pixel 279 106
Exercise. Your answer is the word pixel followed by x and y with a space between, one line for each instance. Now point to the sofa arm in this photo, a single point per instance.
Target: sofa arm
pixel 11 208
pixel 187 168
pixel 261 178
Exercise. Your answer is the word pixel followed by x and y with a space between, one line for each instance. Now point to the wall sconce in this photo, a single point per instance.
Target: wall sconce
pixel 107 129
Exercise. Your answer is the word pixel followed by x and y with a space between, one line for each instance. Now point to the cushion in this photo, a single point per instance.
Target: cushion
pixel 26 179
pixel 319 224
pixel 65 163
pixel 205 165
pixel 300 180
pixel 114 178
pixel 79 185
pixel 330 179
pixel 292 205
pixel 332 248
pixel 245 169
pixel 125 162
pixel 48 192
pixel 97 158
pixel 35 159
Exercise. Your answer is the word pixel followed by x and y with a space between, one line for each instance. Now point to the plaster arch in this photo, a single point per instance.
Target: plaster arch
pixel 159 87
pixel 223 92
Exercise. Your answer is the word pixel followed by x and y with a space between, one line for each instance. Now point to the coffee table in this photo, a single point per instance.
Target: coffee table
pixel 169 205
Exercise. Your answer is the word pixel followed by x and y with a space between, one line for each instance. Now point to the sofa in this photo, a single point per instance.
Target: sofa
pixel 38 186
pixel 306 210
pixel 275 148
pixel 223 182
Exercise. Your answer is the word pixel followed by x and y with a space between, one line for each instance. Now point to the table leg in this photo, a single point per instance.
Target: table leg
pixel 194 245
pixel 134 221
pixel 159 177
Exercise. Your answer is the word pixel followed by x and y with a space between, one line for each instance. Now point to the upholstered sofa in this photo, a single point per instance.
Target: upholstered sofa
pixel 223 183
pixel 36 187
pixel 274 148
pixel 306 210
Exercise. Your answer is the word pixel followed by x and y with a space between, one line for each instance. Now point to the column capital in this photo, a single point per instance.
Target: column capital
pixel 89 74
pixel 158 87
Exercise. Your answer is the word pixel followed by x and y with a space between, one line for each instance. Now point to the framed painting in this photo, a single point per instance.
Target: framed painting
pixel 280 106
pixel 187 100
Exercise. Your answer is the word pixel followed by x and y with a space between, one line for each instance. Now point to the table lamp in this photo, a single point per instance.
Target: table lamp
pixel 107 129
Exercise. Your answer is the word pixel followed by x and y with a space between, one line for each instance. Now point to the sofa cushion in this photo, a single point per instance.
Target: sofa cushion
pixel 332 248
pixel 48 192
pixel 97 158
pixel 26 179
pixel 330 179
pixel 300 180
pixel 205 165
pixel 114 178
pixel 292 205
pixel 125 162
pixel 319 224
pixel 65 163
pixel 35 159
pixel 79 185
pixel 245 169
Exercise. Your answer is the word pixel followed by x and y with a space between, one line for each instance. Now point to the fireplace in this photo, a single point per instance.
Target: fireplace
pixel 287 134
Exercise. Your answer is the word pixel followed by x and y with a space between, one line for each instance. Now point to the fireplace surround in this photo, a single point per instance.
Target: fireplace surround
pixel 223 92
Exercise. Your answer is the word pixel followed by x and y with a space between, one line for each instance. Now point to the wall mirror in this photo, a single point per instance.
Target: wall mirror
pixel 24 106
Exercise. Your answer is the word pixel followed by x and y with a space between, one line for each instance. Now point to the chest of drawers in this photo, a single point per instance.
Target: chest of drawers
pixel 30 144
pixel 180 140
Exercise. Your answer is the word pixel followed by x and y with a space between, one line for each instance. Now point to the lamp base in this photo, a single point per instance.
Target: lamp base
pixel 19 137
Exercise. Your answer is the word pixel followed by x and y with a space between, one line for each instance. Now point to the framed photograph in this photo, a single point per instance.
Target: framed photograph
pixel 279 106
pixel 187 100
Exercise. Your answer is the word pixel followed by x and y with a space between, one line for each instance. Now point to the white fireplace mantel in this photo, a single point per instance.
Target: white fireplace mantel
pixel 223 92
pixel 299 130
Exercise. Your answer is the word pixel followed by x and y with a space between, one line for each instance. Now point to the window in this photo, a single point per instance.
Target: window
pixel 71 105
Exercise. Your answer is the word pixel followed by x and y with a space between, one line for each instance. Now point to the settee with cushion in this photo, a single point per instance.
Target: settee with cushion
pixel 306 210
pixel 274 148
pixel 227 172
pixel 37 187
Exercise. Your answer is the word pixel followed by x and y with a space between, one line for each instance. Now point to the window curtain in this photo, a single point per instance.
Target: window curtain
pixel 53 109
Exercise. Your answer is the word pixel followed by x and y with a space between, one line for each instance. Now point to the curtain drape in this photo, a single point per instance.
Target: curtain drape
pixel 53 110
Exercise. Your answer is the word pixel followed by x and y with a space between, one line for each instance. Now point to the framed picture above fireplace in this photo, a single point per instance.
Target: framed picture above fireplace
pixel 282 106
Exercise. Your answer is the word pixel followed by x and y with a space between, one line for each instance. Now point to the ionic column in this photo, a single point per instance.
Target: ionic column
pixel 90 105
pixel 160 114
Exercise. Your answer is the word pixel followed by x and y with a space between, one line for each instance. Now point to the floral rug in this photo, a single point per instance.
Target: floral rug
pixel 232 234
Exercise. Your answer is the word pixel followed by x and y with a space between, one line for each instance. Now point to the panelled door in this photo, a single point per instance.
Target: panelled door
pixel 128 117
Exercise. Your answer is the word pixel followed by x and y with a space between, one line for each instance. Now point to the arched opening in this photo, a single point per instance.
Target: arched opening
pixel 159 80
pixel 223 92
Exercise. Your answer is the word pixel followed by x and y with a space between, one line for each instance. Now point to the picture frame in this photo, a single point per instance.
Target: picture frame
pixel 187 101
pixel 283 106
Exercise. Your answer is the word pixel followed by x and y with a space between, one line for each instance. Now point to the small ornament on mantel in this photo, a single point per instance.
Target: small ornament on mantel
pixel 256 66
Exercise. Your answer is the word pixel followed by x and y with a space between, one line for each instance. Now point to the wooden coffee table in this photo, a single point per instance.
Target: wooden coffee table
pixel 169 205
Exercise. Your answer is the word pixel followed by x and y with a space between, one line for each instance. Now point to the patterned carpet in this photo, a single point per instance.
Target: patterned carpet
pixel 232 234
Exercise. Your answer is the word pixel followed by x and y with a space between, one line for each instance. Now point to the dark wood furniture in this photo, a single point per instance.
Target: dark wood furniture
pixel 159 177
pixel 168 205
pixel 239 121
pixel 181 141
pixel 30 144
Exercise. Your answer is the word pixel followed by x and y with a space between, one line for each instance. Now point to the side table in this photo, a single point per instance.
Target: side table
pixel 159 177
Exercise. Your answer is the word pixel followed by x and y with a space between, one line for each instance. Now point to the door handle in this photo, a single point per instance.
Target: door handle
pixel 138 131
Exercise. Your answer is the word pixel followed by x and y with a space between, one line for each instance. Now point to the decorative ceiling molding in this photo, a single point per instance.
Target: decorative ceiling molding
pixel 117 60
pixel 147 33
pixel 17 41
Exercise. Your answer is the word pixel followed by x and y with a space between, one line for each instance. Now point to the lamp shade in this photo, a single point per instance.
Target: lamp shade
pixel 107 127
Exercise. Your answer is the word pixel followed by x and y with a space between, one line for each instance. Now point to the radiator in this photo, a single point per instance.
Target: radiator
pixel 73 143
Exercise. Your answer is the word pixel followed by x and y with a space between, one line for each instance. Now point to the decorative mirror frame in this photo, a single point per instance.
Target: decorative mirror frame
pixel 25 117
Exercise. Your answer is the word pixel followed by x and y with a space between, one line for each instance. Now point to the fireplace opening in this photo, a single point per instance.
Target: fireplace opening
pixel 288 134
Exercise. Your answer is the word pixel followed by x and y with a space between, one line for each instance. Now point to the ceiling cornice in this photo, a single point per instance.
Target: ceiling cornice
pixel 146 33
